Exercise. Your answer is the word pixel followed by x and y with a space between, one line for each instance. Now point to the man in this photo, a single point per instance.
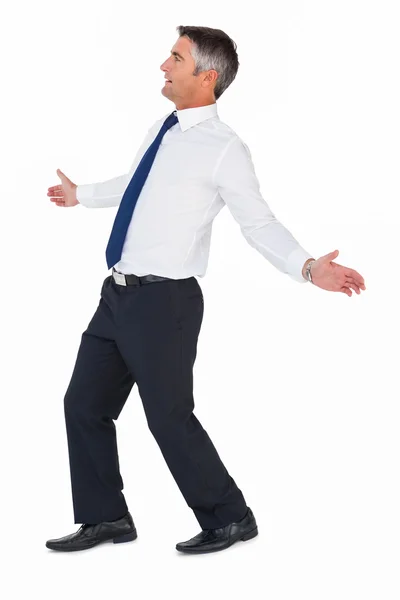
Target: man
pixel 147 323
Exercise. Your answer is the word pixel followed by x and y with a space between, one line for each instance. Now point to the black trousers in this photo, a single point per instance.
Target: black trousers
pixel 147 335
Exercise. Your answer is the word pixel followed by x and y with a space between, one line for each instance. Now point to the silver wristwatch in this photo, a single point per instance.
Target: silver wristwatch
pixel 308 270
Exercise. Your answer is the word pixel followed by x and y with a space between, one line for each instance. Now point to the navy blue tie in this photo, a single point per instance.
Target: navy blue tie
pixel 131 195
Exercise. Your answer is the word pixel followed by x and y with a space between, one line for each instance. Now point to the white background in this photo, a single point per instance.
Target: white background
pixel 297 386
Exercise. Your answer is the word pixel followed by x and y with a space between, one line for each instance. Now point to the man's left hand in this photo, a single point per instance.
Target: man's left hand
pixel 333 277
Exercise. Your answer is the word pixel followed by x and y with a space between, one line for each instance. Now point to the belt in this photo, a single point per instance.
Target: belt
pixel 131 279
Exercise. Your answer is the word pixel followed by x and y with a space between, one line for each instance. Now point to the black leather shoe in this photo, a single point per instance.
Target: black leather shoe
pixel 212 540
pixel 87 536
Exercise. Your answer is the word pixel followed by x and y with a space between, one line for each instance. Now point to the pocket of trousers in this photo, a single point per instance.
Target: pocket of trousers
pixel 175 301
pixel 107 279
pixel 194 290
pixel 186 299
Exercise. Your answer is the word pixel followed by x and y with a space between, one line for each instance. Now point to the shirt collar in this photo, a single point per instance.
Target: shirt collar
pixel 188 117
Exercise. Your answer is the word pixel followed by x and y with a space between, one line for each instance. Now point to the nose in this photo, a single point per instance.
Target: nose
pixel 166 64
pixel 163 67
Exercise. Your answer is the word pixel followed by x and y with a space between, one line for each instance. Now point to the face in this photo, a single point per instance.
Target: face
pixel 186 90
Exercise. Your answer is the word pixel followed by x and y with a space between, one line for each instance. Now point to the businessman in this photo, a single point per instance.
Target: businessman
pixel 146 326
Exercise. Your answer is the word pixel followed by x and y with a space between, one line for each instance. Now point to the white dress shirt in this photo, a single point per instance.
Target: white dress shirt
pixel 200 166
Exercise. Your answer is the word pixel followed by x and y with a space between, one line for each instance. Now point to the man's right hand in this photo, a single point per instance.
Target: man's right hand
pixel 64 194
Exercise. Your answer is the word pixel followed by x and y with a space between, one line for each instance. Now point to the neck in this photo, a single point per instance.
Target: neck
pixel 194 104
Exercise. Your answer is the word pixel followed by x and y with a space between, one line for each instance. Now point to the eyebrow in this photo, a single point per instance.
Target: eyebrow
pixel 177 54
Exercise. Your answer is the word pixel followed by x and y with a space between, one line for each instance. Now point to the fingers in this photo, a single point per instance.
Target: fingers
pixel 58 201
pixel 348 285
pixel 351 276
pixel 346 290
pixel 356 277
pixel 56 195
pixel 350 282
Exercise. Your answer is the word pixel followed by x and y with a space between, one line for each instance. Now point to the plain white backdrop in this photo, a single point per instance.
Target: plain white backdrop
pixel 296 386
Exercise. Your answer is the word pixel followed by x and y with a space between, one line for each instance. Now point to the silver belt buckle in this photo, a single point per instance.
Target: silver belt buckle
pixel 119 278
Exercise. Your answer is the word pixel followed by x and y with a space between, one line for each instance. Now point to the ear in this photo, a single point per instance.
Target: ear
pixel 210 78
pixel 212 75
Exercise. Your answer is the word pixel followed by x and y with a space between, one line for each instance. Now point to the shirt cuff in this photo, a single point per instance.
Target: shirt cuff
pixel 295 264
pixel 84 195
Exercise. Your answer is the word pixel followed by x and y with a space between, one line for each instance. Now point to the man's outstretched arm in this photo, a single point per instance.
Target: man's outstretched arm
pixel 238 186
pixel 237 183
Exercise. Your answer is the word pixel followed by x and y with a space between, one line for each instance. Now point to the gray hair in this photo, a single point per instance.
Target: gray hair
pixel 212 49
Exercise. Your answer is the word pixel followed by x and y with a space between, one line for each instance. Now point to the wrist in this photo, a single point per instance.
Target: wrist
pixel 307 276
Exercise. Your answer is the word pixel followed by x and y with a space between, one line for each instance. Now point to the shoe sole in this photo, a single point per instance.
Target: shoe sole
pixel 247 536
pixel 127 537
pixel 120 539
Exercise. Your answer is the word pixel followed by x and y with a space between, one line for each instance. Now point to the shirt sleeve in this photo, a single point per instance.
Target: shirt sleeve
pixel 239 188
pixel 103 193
pixel 110 192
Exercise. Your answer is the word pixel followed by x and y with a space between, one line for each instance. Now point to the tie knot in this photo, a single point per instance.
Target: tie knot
pixel 171 120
